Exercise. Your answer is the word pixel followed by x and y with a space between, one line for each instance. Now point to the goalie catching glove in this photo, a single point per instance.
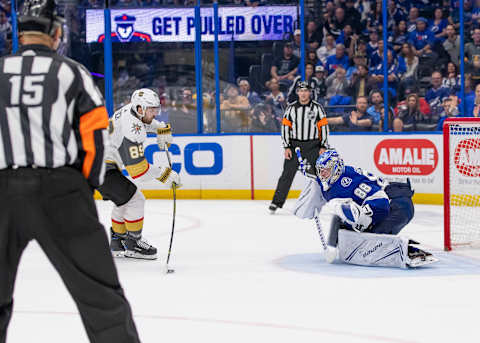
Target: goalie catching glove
pixel 164 136
pixel 356 216
pixel 169 177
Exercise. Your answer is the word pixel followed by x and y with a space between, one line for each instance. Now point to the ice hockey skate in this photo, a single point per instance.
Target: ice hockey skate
pixel 136 247
pixel 272 208
pixel 418 257
pixel 116 244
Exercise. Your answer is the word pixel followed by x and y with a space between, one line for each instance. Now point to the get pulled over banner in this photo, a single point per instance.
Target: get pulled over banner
pixel 178 24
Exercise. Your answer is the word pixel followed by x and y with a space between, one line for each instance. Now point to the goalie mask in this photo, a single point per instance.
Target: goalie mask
pixel 146 99
pixel 329 167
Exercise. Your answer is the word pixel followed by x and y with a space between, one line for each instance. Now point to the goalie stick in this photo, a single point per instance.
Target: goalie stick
pixel 174 187
pixel 330 252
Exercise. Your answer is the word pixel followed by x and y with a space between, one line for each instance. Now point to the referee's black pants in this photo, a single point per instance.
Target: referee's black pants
pixel 309 150
pixel 56 208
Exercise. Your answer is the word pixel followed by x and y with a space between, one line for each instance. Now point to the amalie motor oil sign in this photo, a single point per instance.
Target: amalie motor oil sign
pixel 406 156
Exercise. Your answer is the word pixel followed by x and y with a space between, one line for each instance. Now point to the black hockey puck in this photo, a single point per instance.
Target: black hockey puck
pixel 169 271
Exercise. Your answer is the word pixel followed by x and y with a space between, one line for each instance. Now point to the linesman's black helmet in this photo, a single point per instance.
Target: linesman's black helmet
pixel 39 16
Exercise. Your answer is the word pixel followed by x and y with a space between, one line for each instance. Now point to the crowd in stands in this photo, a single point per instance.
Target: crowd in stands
pixel 344 66
pixel 345 49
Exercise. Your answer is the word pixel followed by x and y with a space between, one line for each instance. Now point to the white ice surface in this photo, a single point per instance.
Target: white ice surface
pixel 243 275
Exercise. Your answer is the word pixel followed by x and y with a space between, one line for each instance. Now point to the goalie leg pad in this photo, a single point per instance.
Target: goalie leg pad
pixel 369 249
pixel 310 199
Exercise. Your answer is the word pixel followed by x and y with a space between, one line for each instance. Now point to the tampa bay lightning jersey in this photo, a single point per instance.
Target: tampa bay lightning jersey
pixel 363 188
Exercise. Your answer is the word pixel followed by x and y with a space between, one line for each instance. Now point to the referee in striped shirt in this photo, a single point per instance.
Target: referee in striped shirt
pixel 305 126
pixel 52 138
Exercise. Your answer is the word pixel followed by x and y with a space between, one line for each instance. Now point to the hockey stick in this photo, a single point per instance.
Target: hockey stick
pixel 330 254
pixel 174 187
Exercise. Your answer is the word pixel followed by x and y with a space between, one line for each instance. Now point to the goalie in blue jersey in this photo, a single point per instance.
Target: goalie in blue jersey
pixel 368 214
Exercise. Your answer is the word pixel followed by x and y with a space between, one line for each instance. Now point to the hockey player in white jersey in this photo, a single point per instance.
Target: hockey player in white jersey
pixel 368 215
pixel 128 131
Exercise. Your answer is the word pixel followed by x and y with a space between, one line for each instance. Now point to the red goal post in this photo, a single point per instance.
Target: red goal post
pixel 461 166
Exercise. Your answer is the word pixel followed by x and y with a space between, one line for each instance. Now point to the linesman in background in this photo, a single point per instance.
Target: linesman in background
pixel 305 126
pixel 52 139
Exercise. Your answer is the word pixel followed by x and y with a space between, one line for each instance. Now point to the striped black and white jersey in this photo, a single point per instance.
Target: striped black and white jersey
pixel 51 114
pixel 304 123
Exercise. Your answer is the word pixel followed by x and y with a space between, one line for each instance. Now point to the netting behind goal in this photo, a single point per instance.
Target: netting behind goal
pixel 462 182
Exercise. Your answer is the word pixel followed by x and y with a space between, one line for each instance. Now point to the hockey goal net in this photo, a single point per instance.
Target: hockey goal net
pixel 461 149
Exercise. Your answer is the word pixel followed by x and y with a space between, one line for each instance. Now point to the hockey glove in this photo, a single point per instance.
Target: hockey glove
pixel 357 217
pixel 164 136
pixel 170 177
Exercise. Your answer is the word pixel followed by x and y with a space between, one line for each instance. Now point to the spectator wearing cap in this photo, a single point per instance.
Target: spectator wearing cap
pixel 358 119
pixel 437 25
pixel 436 93
pixel 327 50
pixel 449 109
pixel 313 35
pixel 322 83
pixel 275 98
pixel 297 41
pixel 421 37
pixel 310 79
pixel 452 45
pixel 245 90
pixel 359 83
pixel 339 59
pixel 285 67
pixel 413 15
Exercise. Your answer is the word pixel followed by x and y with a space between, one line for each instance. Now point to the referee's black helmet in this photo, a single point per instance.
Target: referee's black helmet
pixel 39 16
pixel 303 85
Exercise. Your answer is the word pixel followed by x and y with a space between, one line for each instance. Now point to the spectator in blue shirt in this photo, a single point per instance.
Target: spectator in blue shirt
pixel 437 25
pixel 376 110
pixel 412 19
pixel 436 93
pixel 358 119
pixel 421 37
pixel 372 45
pixel 393 74
pixel 399 37
pixel 396 12
pixel 339 59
